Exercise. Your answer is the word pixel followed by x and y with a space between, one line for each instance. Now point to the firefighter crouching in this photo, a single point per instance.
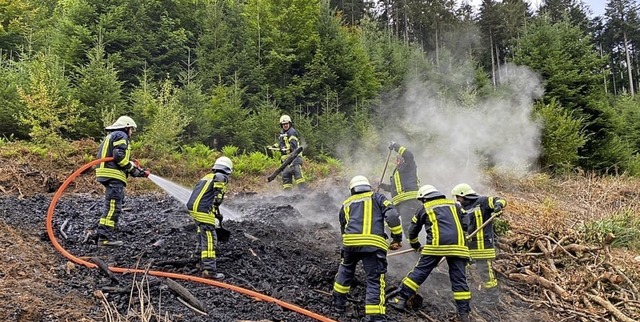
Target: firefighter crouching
pixel 113 176
pixel 443 223
pixel 481 246
pixel 203 206
pixel 362 222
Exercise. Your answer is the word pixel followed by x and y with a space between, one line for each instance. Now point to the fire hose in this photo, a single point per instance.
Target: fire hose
pixel 123 270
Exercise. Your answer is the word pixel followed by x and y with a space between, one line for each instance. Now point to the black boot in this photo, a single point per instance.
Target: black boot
pixel 463 317
pixel 398 302
pixel 339 303
pixel 375 318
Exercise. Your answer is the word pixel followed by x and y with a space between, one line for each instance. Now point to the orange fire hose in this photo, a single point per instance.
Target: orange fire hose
pixel 65 253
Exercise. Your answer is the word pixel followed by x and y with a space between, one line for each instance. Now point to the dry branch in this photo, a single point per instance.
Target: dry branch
pixel 185 294
pixel 612 309
pixel 539 280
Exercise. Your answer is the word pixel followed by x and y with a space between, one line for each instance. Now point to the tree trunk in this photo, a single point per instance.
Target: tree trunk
pixel 493 66
pixel 626 51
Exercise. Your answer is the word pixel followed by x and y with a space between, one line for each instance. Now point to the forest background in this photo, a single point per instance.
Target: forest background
pixel 215 75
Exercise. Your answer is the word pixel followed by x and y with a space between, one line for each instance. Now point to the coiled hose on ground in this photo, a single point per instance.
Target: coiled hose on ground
pixel 79 261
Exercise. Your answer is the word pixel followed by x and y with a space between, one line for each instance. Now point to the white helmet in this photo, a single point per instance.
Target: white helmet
pixel 123 122
pixel 462 190
pixel 428 192
pixel 359 184
pixel 285 119
pixel 223 164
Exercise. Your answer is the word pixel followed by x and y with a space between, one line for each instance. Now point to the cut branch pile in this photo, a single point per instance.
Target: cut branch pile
pixel 577 282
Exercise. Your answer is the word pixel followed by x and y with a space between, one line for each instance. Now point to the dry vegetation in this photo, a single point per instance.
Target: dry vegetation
pixel 575 242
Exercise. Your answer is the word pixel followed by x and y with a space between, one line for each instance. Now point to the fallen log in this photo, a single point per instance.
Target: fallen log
pixel 185 294
pixel 539 280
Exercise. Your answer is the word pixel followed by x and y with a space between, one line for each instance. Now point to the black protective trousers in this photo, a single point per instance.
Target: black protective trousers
pixel 114 196
pixel 375 267
pixel 207 240
pixel 457 276
pixel 290 173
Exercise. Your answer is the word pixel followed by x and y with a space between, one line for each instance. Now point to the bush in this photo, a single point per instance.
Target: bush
pixel 562 137
pixel 625 225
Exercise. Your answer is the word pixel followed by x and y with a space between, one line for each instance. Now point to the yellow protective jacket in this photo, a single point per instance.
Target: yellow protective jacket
pixel 443 221
pixel 362 222
pixel 404 179
pixel 207 196
pixel 289 141
pixel 116 145
pixel 479 209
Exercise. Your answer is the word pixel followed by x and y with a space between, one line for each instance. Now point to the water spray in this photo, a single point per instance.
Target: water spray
pixel 182 194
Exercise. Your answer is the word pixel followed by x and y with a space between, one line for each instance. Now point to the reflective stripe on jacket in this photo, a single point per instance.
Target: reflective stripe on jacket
pixel 362 221
pixel 116 145
pixel 207 195
pixel 443 222
pixel 480 210
pixel 404 179
pixel 289 142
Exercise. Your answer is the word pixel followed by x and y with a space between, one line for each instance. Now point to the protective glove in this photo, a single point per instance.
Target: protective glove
pixel 416 246
pixel 136 163
pixel 497 210
pixel 218 214
pixel 395 245
pixel 392 146
pixel 138 172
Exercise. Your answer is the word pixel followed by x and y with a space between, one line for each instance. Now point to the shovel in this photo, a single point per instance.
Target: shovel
pixel 222 234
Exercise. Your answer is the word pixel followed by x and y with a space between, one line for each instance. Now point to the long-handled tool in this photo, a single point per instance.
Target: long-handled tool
pixel 284 164
pixel 494 216
pixel 475 232
pixel 384 170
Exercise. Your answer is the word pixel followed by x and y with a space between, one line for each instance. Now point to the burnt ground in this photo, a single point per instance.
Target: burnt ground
pixel 285 247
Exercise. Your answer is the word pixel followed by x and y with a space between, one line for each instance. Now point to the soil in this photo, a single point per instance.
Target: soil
pixel 283 246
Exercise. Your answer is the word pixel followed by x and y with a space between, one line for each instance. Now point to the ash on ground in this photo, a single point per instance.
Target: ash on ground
pixel 286 247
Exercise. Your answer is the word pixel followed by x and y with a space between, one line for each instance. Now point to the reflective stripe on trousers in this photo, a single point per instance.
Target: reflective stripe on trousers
pixel 457 276
pixel 207 239
pixel 375 267
pixel 292 172
pixel 114 196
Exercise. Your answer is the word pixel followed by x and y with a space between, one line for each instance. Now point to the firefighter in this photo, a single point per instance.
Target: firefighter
pixel 481 246
pixel 113 175
pixel 204 208
pixel 362 223
pixel 404 185
pixel 444 226
pixel 289 141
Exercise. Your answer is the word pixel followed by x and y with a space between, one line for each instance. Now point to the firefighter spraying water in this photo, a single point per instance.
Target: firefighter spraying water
pixel 182 194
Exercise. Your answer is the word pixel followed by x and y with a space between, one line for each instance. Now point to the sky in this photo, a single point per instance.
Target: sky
pixel 596 6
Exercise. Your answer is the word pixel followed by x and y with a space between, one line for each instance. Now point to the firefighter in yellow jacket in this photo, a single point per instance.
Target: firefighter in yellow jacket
pixel 288 142
pixel 481 246
pixel 203 206
pixel 404 184
pixel 113 175
pixel 443 221
pixel 362 223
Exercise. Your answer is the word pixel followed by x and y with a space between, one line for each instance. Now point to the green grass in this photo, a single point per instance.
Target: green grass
pixel 625 225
